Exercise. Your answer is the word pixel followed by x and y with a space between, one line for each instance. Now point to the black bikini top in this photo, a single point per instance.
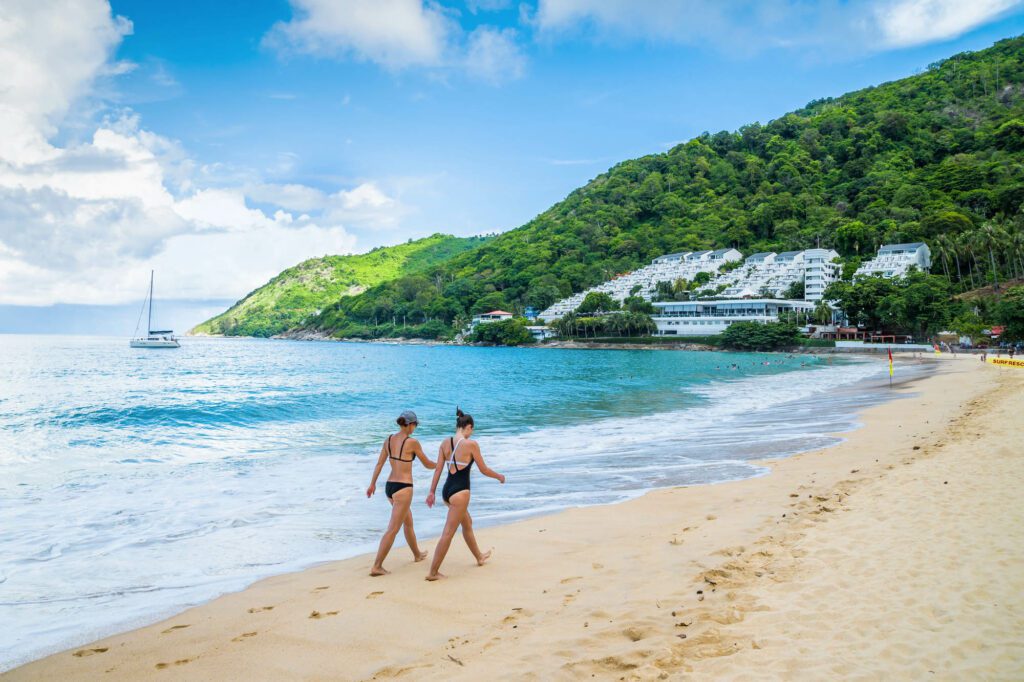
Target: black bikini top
pixel 400 448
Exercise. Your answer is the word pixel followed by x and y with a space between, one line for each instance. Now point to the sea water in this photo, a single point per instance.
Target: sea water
pixel 137 482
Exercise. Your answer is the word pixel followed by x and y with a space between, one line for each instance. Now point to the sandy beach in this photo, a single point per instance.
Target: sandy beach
pixel 897 554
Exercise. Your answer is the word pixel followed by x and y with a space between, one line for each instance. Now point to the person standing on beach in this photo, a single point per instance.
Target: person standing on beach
pixel 458 453
pixel 401 449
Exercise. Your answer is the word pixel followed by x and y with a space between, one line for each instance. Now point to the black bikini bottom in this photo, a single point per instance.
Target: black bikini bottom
pixel 392 487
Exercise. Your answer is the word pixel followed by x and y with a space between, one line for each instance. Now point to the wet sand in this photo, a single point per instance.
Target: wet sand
pixel 897 554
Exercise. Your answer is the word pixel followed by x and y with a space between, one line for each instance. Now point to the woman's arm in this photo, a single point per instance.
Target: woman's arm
pixel 484 469
pixel 417 450
pixel 437 475
pixel 376 471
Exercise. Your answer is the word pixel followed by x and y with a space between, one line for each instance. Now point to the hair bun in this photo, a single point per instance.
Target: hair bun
pixel 458 412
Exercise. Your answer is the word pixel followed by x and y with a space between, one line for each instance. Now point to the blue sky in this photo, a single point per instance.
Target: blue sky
pixel 222 141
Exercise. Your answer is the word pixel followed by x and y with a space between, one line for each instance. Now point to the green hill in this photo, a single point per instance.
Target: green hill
pixel 301 291
pixel 937 156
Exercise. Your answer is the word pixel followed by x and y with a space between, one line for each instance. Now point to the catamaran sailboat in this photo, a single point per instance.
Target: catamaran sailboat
pixel 155 338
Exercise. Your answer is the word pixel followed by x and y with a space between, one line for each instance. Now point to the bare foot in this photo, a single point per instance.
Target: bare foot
pixel 420 556
pixel 436 576
pixel 484 557
pixel 378 570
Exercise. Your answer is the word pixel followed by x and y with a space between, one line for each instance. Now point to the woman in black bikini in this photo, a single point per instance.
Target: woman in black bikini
pixel 458 453
pixel 401 449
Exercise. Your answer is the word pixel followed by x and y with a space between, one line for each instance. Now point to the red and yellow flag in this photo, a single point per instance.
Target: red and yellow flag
pixel 890 360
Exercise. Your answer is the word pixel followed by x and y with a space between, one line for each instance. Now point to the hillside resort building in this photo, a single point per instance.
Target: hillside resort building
pixel 895 260
pixel 747 291
pixel 493 316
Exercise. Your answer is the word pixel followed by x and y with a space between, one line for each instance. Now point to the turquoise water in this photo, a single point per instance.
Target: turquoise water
pixel 134 483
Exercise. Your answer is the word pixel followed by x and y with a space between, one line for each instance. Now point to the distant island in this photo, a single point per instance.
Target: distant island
pixel 935 158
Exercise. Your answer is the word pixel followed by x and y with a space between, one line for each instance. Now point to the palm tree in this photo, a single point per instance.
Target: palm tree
pixel 822 313
pixel 991 236
pixel 966 244
pixel 942 248
pixel 1017 250
pixel 954 248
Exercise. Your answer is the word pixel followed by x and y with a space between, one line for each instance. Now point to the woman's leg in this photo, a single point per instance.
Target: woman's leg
pixel 399 509
pixel 470 538
pixel 457 504
pixel 410 537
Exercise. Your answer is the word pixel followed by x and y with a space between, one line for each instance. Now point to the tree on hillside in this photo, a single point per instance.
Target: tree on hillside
pixel 860 300
pixel 1010 313
pixel 991 235
pixel 919 303
pixel 794 291
pixel 854 236
pixel 493 301
pixel 636 304
pixel 597 302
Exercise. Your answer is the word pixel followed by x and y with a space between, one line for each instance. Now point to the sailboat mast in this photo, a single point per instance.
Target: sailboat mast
pixel 149 322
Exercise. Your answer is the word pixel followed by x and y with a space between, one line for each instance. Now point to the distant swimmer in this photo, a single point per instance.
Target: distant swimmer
pixel 458 453
pixel 401 449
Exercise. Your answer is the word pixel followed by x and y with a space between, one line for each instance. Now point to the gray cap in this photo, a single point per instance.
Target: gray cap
pixel 409 416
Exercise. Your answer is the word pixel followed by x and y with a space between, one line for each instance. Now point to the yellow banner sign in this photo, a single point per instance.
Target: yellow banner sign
pixel 1006 362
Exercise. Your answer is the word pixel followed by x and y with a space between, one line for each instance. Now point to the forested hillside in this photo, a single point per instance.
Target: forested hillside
pixel 937 157
pixel 301 291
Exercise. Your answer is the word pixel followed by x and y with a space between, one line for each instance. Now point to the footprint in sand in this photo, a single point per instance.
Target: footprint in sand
pixel 597 567
pixel 571 578
pixel 710 517
pixel 316 615
pixel 374 595
pixel 257 609
pixel 81 653
pixel 173 628
pixel 244 635
pixel 325 587
pixel 180 661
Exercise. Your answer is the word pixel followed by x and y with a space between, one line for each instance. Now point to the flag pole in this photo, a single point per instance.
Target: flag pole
pixel 890 366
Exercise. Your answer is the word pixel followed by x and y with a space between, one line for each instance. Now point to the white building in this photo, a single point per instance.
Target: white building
pixel 761 275
pixel 819 272
pixel 540 332
pixel 668 268
pixel 706 318
pixel 771 274
pixel 895 260
pixel 493 316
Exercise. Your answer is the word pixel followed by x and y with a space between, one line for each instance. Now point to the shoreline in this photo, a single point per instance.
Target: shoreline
pixel 134 654
pixel 673 345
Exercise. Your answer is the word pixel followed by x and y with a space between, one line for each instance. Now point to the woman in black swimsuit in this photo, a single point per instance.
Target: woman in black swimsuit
pixel 401 449
pixel 458 453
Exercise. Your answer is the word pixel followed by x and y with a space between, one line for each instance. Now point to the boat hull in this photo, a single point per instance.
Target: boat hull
pixel 155 343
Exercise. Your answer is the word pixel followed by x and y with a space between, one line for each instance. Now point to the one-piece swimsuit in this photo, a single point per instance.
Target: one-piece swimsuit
pixel 457 480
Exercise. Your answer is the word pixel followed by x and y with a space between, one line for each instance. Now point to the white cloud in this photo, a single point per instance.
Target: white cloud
pixel 399 34
pixel 84 222
pixel 493 55
pixel 751 25
pixel 914 22
pixel 364 206
pixel 394 33
pixel 51 52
